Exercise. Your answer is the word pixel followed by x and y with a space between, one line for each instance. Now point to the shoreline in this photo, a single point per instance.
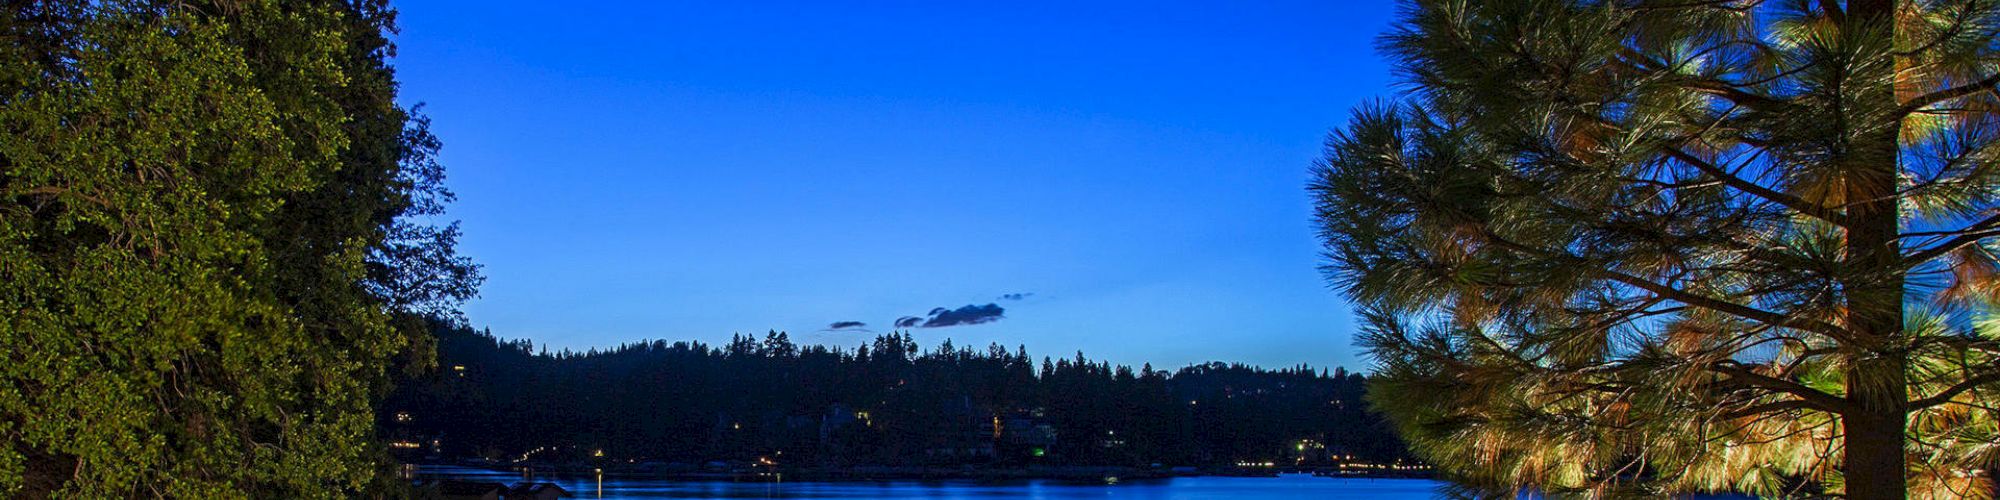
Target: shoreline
pixel 1078 474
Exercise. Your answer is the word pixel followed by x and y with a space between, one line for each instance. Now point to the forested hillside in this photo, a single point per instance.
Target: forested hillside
pixel 889 402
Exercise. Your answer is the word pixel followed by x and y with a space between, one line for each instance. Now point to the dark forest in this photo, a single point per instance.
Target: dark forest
pixel 889 402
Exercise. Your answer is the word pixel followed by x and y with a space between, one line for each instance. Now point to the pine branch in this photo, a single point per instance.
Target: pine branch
pixel 1733 92
pixel 1920 102
pixel 1946 395
pixel 1790 201
pixel 1773 407
pixel 1683 296
pixel 1730 308
pixel 1818 399
pixel 1985 228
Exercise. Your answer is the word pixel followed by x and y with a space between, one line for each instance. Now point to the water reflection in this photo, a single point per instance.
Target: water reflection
pixel 599 485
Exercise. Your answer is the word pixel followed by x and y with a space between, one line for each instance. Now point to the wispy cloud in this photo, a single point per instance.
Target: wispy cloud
pixel 1017 296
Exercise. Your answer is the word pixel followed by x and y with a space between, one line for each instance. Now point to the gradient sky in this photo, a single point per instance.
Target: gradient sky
pixel 689 170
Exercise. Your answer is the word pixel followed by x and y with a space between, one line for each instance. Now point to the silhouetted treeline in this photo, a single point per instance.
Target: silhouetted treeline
pixel 889 402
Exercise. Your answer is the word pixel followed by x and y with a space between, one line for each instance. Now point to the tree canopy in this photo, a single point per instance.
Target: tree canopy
pixel 212 246
pixel 1635 247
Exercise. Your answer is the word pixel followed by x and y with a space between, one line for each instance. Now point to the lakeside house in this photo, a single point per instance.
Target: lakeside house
pixel 1026 433
pixel 535 491
pixel 407 439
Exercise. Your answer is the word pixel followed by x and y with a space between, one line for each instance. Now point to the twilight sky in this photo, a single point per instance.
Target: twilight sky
pixel 687 170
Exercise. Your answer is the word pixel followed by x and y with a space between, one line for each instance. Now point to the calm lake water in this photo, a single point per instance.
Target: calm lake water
pixel 1253 488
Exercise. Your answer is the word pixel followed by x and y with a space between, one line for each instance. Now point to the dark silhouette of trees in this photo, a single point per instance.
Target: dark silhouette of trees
pixel 1649 247
pixel 888 402
pixel 207 259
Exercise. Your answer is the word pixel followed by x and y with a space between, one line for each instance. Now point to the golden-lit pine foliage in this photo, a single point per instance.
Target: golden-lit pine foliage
pixel 1639 248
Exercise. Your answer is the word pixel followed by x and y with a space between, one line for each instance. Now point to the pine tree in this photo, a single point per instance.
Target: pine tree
pixel 1644 247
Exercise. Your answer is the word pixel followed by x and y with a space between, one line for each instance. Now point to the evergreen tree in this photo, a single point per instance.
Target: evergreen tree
pixel 1642 247
pixel 206 246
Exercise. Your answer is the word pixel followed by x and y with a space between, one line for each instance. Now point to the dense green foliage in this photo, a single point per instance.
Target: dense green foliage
pixel 1637 247
pixel 207 246
pixel 691 403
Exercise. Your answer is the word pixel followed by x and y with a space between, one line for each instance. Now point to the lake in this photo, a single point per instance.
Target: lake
pixel 1254 488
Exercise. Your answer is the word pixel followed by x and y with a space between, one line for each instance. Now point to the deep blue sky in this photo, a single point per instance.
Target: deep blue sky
pixel 688 170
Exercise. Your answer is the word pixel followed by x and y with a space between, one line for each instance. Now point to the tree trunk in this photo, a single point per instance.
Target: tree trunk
pixel 1877 376
pixel 1875 466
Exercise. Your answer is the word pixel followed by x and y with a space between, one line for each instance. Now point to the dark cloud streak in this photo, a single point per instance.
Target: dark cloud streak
pixel 968 315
